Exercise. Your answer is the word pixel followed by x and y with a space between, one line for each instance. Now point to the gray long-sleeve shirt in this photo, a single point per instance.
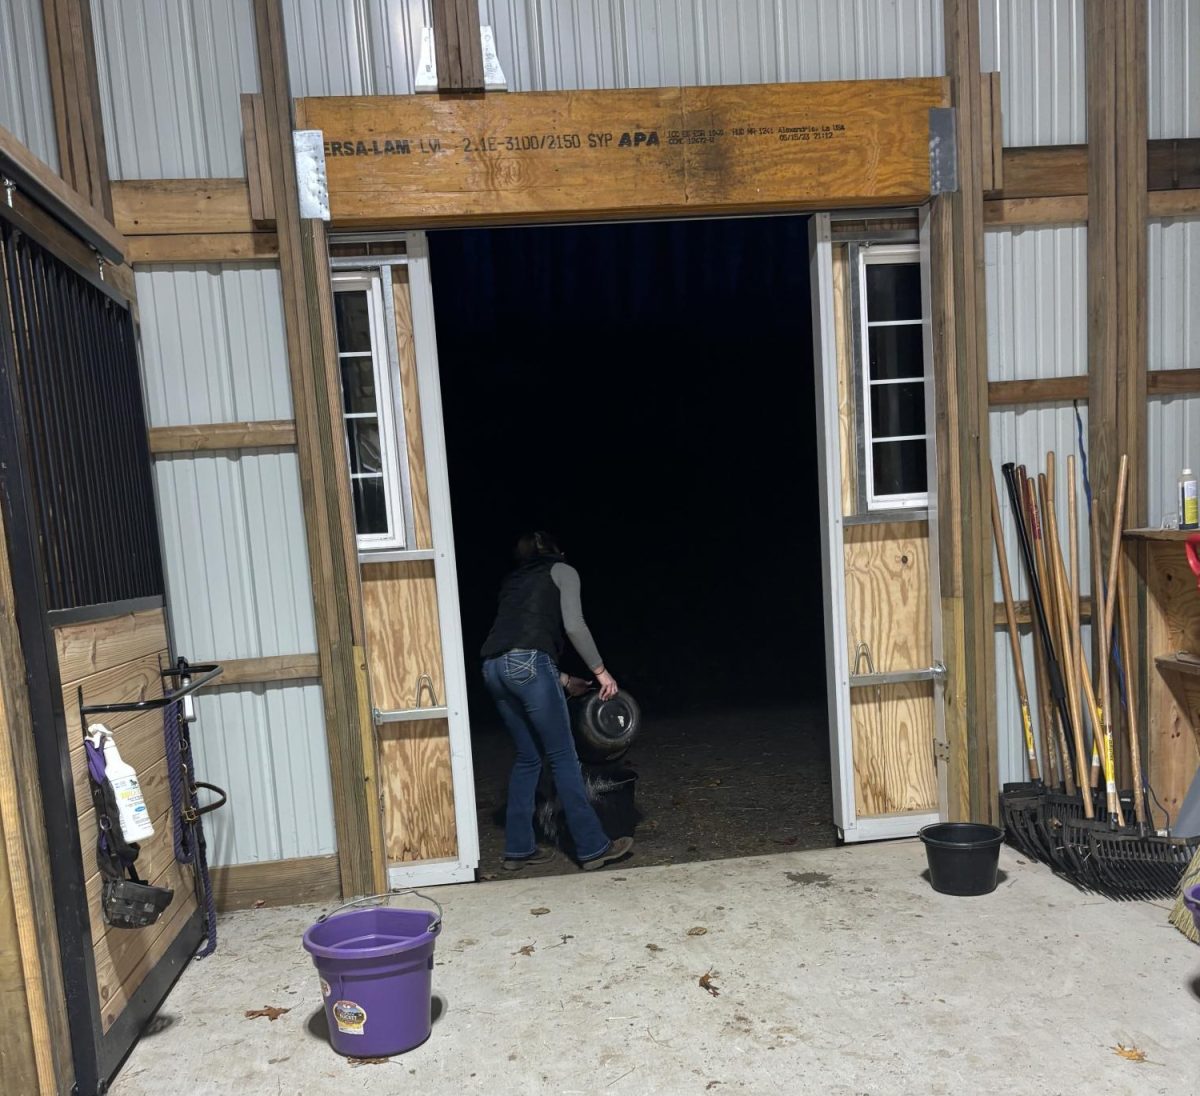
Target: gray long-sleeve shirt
pixel 566 578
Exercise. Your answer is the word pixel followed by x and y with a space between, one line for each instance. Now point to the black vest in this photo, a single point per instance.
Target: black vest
pixel 530 613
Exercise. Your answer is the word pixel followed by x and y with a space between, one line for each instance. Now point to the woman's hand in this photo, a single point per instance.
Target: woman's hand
pixel 608 685
pixel 575 686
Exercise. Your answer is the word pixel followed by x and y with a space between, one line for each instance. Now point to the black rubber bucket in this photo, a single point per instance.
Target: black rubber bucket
pixel 964 857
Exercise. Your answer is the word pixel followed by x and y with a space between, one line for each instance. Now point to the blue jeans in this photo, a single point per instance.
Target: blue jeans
pixel 525 687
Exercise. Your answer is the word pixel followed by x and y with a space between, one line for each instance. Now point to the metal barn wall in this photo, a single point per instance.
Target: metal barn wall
pixel 170 75
pixel 1037 327
pixel 26 108
pixel 1037 47
pixel 1173 323
pixel 356 47
pixel 235 552
pixel 1173 60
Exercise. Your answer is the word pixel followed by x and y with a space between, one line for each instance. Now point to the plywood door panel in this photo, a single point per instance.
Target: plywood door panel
pixel 844 348
pixel 893 749
pixel 419 790
pixel 86 649
pixel 1173 624
pixel 411 399
pixel 887 594
pixel 888 608
pixel 404 638
pixel 123 684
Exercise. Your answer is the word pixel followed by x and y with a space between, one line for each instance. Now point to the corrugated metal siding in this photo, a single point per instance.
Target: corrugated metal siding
pixel 1037 327
pixel 257 742
pixel 351 47
pixel 1173 327
pixel 1173 60
pixel 170 74
pixel 26 107
pixel 214 350
pixel 1037 47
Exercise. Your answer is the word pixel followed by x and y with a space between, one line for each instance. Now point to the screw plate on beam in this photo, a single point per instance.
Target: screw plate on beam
pixel 309 147
pixel 943 150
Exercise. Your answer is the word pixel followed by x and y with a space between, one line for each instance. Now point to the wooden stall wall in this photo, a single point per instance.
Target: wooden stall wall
pixel 116 660
pixel 405 663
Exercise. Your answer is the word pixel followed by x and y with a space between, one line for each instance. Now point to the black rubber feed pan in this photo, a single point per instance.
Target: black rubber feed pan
pixel 964 857
pixel 604 729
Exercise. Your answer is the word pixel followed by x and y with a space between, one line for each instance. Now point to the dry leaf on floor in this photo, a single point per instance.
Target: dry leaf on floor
pixel 653 947
pixel 711 1085
pixel 1130 1054
pixel 368 1061
pixel 707 983
pixel 260 903
pixel 541 911
pixel 699 930
pixel 528 949
pixel 271 1012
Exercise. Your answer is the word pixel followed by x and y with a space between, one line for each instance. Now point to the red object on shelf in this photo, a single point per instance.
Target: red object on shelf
pixel 1190 546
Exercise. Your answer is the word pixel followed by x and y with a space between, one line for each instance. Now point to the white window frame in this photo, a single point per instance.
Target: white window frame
pixel 885 254
pixel 387 382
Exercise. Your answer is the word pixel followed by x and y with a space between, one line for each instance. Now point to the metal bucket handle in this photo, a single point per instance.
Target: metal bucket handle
pixel 435 926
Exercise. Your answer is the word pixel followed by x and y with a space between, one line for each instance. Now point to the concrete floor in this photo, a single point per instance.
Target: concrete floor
pixel 839 971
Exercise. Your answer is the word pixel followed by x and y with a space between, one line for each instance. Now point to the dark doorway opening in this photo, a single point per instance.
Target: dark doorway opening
pixel 645 391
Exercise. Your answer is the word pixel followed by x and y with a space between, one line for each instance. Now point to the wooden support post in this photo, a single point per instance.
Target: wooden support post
pixel 28 937
pixel 1115 38
pixel 75 90
pixel 457 46
pixel 320 455
pixel 960 371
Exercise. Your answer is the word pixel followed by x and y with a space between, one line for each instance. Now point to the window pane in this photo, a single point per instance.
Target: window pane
pixel 895 352
pixel 353 321
pixel 363 436
pixel 370 506
pixel 899 467
pixel 358 385
pixel 897 409
pixel 893 291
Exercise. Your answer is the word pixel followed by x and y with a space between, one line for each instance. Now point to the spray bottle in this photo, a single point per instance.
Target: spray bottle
pixel 134 818
pixel 1189 517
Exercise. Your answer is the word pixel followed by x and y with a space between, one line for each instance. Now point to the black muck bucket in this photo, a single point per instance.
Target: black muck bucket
pixel 964 857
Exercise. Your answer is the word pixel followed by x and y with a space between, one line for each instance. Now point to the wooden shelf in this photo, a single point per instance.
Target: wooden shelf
pixel 1159 534
pixel 1177 664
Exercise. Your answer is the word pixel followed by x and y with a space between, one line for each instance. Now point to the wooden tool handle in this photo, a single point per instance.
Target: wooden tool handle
pixel 1014 639
pixel 1135 744
pixel 1110 596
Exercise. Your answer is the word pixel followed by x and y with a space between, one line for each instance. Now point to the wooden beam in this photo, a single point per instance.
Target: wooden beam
pixel 207 437
pixel 960 370
pixel 40 991
pixel 267 670
pixel 992 137
pixel 219 247
pixel 457 45
pixel 1024 613
pixel 75 93
pixel 419 160
pixel 74 206
pixel 1175 203
pixel 277 883
pixel 320 453
pixel 258 165
pixel 1173 382
pixel 1040 390
pixel 1023 212
pixel 188 207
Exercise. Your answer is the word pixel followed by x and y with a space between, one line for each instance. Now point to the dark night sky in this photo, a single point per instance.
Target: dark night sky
pixel 645 391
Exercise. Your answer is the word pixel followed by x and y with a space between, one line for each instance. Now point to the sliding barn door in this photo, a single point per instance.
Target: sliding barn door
pixel 875 417
pixel 414 653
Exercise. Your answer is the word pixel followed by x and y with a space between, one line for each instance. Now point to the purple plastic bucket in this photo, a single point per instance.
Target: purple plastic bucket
pixel 376 969
pixel 1191 899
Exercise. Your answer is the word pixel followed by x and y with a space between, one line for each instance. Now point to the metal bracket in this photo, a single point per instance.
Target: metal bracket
pixel 311 180
pixel 943 150
pixel 9 189
pixel 941 751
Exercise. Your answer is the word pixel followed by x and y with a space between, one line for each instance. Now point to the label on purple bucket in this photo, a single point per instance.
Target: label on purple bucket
pixel 325 990
pixel 351 1018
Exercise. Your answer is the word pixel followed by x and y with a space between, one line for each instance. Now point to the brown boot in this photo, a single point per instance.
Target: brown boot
pixel 622 846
